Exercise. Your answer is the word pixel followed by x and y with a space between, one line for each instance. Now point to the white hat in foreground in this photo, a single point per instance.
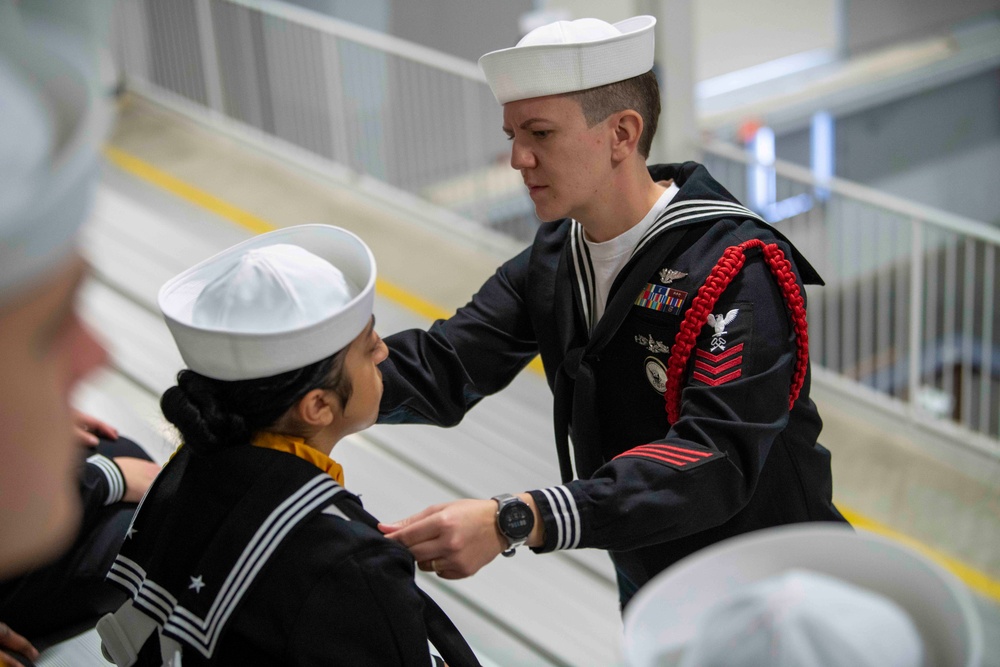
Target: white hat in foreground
pixel 697 610
pixel 274 303
pixel 52 124
pixel 569 56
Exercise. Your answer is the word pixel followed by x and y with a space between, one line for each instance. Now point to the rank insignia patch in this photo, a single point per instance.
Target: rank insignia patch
pixel 679 458
pixel 658 297
pixel 716 369
pixel 668 276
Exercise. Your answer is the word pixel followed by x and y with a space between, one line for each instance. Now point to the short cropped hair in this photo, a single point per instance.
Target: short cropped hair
pixel 640 93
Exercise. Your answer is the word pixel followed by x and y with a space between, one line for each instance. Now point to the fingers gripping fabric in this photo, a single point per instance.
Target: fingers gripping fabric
pixel 728 266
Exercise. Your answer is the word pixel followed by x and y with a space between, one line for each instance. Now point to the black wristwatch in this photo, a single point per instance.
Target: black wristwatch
pixel 514 519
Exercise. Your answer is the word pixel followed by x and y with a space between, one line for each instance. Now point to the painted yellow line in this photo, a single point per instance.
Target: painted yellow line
pixel 185 191
pixel 973 578
pixel 411 301
pixel 223 209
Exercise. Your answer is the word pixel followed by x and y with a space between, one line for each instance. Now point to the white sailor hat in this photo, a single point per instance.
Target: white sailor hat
pixel 806 594
pixel 567 56
pixel 52 123
pixel 273 303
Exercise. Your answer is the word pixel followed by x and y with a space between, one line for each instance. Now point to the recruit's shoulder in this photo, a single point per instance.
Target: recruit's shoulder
pixel 330 537
pixel 326 595
pixel 331 552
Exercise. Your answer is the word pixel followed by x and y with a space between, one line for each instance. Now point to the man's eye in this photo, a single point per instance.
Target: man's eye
pixel 540 134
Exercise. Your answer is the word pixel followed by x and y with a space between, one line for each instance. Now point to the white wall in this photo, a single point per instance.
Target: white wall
pixel 731 34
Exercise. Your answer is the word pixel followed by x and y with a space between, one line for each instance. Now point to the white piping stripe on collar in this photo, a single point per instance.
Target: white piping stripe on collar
pixel 690 209
pixel 584 273
pixel 566 516
pixel 156 597
pixel 156 601
pixel 203 634
pixel 127 573
pixel 333 510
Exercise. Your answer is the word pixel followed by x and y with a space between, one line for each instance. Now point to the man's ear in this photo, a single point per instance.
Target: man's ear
pixel 627 126
pixel 318 408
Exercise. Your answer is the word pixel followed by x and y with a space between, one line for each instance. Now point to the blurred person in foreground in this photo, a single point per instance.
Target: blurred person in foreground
pixel 48 604
pixel 52 123
pixel 670 320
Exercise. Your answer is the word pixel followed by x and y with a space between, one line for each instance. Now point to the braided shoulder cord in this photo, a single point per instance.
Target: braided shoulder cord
pixel 725 270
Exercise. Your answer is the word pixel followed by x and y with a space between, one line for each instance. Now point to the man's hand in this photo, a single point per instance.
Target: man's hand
pixel 15 642
pixel 88 429
pixel 139 474
pixel 454 540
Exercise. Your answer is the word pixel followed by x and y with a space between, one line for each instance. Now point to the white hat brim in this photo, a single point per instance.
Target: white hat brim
pixel 523 72
pixel 227 355
pixel 664 615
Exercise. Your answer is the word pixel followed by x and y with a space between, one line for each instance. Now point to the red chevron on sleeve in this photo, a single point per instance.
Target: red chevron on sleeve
pixel 716 358
pixel 680 458
pixel 711 368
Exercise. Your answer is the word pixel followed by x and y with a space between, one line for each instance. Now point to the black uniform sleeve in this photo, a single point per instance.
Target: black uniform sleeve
pixel 706 468
pixel 436 376
pixel 381 621
pixel 101 483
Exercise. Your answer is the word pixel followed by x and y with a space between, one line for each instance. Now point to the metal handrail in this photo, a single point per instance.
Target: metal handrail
pixel 379 41
pixel 856 191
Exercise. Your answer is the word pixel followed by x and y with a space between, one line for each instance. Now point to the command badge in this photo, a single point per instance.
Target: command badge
pixel 656 373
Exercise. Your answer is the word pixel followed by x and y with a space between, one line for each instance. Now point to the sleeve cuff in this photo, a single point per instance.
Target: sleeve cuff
pixel 112 474
pixel 561 516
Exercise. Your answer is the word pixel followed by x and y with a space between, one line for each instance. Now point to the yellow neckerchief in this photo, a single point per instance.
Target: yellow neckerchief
pixel 298 447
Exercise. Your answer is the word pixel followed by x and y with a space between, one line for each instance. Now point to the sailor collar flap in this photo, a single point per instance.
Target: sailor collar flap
pixel 699 189
pixel 192 586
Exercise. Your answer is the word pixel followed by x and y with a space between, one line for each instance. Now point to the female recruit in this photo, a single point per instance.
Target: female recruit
pixel 248 549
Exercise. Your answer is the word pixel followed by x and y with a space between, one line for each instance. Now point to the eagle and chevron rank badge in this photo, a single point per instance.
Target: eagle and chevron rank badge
pixel 722 362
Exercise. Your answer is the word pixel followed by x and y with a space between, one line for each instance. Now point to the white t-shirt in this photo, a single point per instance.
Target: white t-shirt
pixel 609 257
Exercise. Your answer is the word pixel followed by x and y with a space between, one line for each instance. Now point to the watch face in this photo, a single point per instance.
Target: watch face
pixel 516 520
